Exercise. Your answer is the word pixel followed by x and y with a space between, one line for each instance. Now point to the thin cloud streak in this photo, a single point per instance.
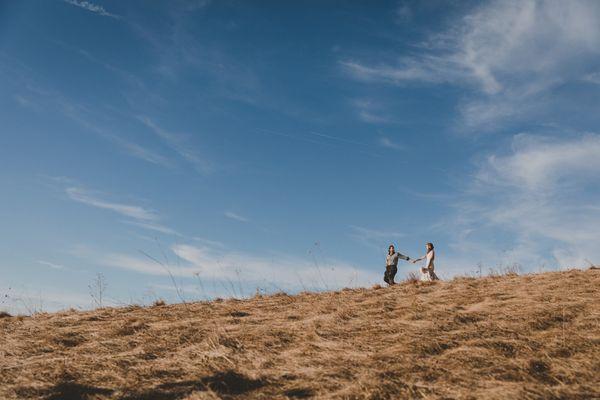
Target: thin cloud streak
pixel 141 152
pixel 140 216
pixel 51 265
pixel 41 98
pixel 154 227
pixel 370 112
pixel 387 142
pixel 236 217
pixel 179 144
pixel 91 7
pixel 136 212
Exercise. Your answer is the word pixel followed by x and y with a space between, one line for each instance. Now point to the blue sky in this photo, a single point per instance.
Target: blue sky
pixel 268 145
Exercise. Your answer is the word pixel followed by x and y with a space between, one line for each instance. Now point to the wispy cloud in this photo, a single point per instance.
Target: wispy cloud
pixel 128 210
pixel 209 242
pixel 593 77
pixel 140 216
pixel 143 265
pixel 180 144
pixel 374 238
pixel 51 265
pixel 218 265
pixel 404 13
pixel 154 227
pixel 234 216
pixel 23 101
pixel 279 269
pixel 39 97
pixel 544 163
pixel 433 70
pixel 371 112
pixel 539 195
pixel 390 144
pixel 372 118
pixel 437 196
pixel 91 7
pixel 510 53
pixel 141 152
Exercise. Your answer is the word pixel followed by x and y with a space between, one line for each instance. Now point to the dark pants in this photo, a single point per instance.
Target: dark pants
pixel 390 273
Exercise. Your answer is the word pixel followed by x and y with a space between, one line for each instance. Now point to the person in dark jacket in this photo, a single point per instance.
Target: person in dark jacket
pixel 391 264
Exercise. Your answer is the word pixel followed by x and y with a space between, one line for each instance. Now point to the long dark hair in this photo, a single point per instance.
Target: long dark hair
pixel 430 245
pixel 391 247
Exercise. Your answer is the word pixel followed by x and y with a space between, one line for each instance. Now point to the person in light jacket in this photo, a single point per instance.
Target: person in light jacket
pixel 391 264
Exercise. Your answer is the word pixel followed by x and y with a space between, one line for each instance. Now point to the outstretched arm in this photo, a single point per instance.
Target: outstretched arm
pixel 402 256
pixel 418 259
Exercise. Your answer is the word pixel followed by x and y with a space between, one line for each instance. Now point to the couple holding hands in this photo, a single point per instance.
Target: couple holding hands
pixel 391 268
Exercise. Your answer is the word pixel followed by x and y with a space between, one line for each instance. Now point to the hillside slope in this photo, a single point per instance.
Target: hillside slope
pixel 507 337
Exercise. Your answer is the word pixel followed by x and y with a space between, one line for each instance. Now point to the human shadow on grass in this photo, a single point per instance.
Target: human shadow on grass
pixel 66 390
pixel 228 383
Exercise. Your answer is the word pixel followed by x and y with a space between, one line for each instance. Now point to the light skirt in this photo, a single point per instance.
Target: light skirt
pixel 425 277
pixel 428 275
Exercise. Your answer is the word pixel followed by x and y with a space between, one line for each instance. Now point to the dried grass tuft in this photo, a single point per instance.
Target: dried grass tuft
pixel 159 303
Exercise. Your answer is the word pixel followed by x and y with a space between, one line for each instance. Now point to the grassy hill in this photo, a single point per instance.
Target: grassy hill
pixel 504 337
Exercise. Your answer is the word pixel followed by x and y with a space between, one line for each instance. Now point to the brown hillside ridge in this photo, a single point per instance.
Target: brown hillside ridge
pixel 502 337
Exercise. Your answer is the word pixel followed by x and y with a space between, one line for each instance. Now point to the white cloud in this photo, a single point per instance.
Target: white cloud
pixel 370 112
pixel 283 270
pixel 91 7
pixel 428 69
pixel 128 210
pixel 593 77
pixel 144 265
pixel 50 264
pixel 234 216
pixel 389 143
pixel 372 118
pixel 511 53
pixel 211 243
pixel 154 227
pixel 536 205
pixel 539 163
pixel 140 216
pixel 217 264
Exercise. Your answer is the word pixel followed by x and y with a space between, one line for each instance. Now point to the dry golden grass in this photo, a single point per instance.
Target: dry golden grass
pixel 502 337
